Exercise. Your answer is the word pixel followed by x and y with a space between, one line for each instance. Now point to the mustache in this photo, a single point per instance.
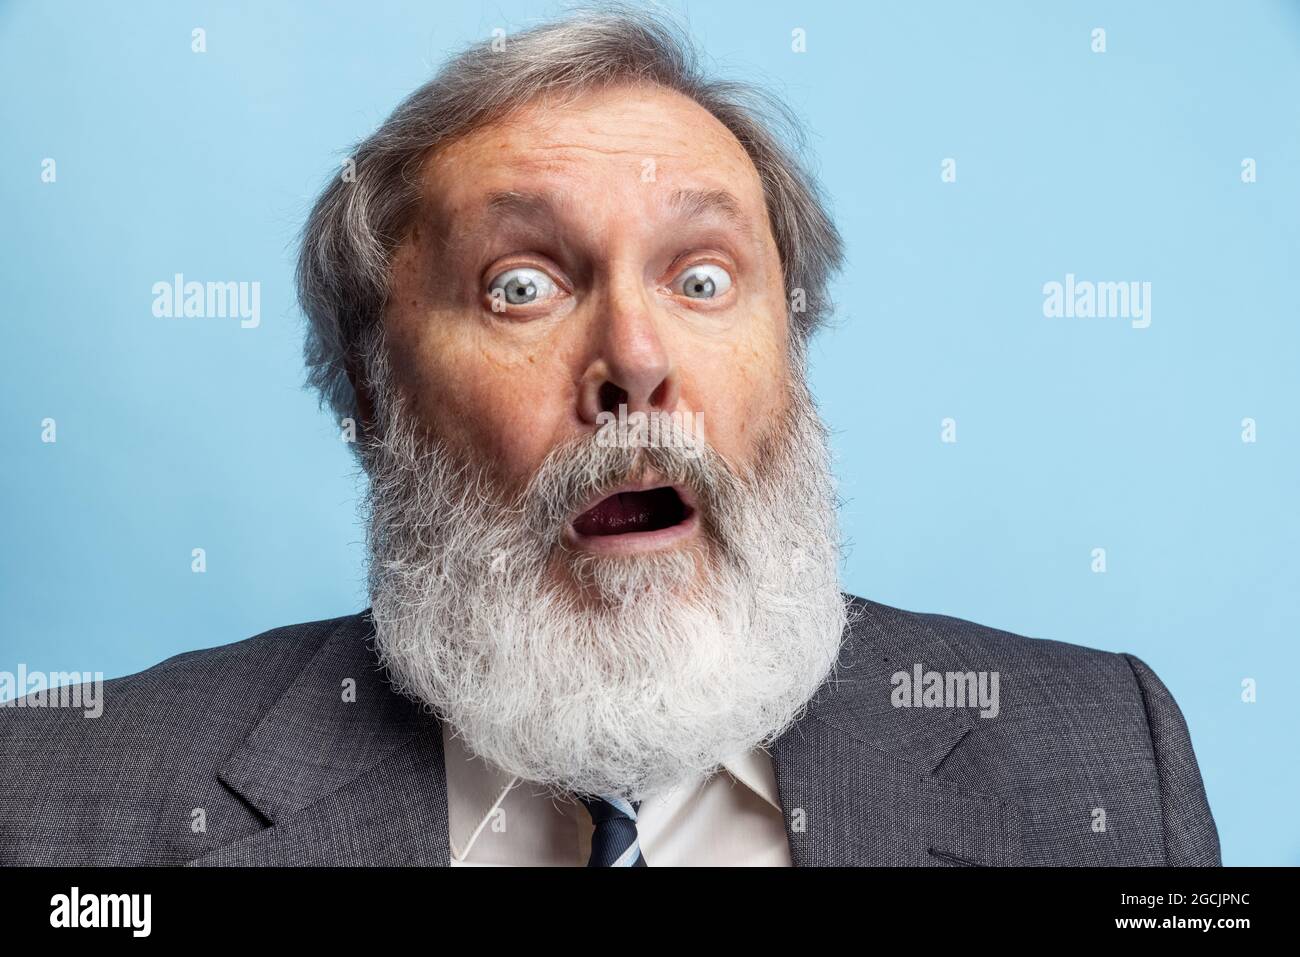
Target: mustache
pixel 583 469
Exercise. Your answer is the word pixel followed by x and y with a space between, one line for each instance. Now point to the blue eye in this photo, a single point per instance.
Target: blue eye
pixel 702 281
pixel 520 286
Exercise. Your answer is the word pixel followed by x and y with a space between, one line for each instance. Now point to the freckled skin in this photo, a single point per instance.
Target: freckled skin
pixel 511 386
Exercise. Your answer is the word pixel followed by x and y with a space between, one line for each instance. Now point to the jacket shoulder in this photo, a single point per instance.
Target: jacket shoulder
pixel 1080 738
pixel 1042 665
pixel 120 773
pixel 240 673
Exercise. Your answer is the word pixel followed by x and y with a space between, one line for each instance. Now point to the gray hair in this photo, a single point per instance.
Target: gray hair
pixel 359 220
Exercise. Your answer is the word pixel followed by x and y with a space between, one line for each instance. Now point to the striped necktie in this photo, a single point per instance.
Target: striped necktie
pixel 614 842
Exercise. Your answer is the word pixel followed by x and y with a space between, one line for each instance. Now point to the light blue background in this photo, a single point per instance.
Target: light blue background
pixel 1072 434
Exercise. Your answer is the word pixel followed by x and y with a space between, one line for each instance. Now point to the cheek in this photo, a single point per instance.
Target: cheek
pixel 741 390
pixel 503 408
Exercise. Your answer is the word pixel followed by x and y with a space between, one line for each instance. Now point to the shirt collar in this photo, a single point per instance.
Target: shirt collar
pixel 475 789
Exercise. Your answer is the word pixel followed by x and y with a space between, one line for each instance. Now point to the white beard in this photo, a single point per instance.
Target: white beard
pixel 607 676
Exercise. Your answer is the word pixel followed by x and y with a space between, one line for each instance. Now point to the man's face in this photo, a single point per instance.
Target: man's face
pixel 594 642
pixel 577 256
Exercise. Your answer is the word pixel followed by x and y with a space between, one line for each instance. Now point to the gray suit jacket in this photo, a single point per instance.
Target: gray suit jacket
pixel 249 754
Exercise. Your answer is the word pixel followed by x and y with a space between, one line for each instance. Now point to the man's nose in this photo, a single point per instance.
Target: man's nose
pixel 631 363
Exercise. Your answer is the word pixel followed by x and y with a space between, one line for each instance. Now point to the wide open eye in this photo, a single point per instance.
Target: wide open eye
pixel 522 285
pixel 702 281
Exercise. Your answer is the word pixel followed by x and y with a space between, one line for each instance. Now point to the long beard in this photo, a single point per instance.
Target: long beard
pixel 604 675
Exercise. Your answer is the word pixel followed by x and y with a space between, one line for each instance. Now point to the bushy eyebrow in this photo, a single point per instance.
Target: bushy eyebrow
pixel 683 204
pixel 692 203
pixel 524 205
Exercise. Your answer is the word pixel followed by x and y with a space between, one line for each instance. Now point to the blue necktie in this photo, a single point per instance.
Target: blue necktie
pixel 614 842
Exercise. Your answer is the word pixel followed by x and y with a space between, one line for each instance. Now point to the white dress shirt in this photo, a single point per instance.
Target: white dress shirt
pixel 730 818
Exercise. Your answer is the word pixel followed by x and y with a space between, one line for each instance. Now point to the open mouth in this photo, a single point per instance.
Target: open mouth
pixel 634 513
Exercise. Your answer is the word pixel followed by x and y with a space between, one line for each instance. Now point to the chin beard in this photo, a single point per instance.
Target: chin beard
pixel 604 675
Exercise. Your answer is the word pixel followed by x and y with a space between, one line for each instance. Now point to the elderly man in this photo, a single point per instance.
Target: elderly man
pixel 564 296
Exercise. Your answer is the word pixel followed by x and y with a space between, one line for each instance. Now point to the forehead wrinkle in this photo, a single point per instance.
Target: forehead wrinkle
pixel 561 148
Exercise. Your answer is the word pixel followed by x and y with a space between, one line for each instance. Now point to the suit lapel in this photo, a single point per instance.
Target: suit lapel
pixel 345 771
pixel 857 776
